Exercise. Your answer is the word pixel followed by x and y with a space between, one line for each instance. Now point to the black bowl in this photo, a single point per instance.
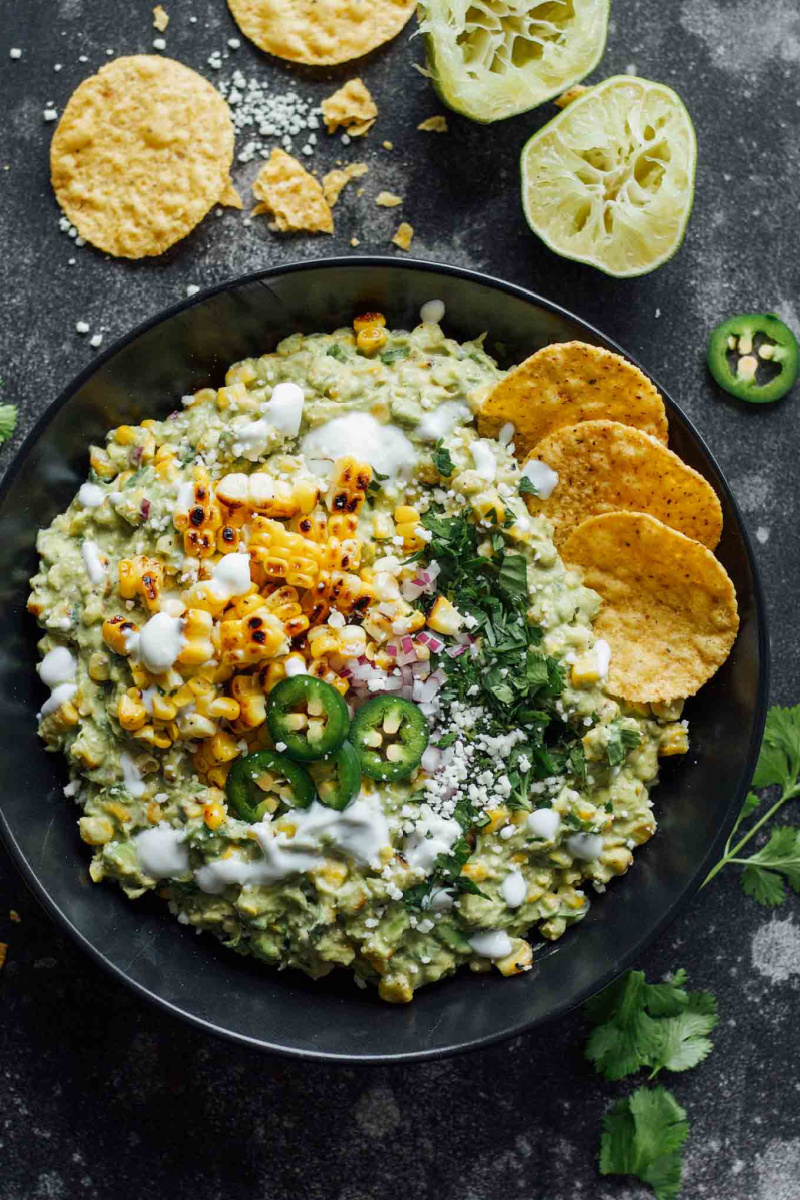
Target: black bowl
pixel 144 375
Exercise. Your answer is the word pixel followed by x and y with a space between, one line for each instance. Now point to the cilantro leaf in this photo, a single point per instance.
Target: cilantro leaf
pixel 513 575
pixel 526 487
pixel 442 460
pixel 620 742
pixel 8 421
pixel 764 886
pixel 684 1040
pixel 780 857
pixel 394 355
pixel 337 351
pixel 779 760
pixel 643 1136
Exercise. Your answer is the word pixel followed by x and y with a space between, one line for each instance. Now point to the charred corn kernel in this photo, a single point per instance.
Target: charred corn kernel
pixel 382 526
pixel 395 989
pixel 223 709
pixel 125 435
pixel 213 815
pixel 66 716
pixel 371 339
pixel 667 710
pixel 321 669
pixel 585 811
pixel 228 539
pixel 119 811
pixel 283 603
pixel 349 483
pixel 477 872
pixel 322 641
pixel 183 696
pixel 586 670
pixel 343 526
pixel 312 525
pixel 617 860
pixel 444 618
pixel 488 506
pixel 96 831
pixel 283 555
pixel 497 819
pixel 193 725
pixel 674 739
pixel 198 625
pixel 368 319
pixel 409 532
pixel 247 692
pixel 99 667
pixel 337 589
pixel 405 513
pixel 101 464
pixel 518 960
pixel 274 673
pixel 131 713
pixel 251 639
pixel 200 687
pixel 160 739
pixel 117 632
pixel 155 813
pixel 141 577
pixel 221 748
pixel 332 871
pixel 163 708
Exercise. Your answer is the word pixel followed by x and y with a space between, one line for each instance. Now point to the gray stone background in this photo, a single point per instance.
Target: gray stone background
pixel 155 1108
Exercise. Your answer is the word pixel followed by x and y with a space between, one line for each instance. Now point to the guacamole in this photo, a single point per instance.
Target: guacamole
pixel 324 684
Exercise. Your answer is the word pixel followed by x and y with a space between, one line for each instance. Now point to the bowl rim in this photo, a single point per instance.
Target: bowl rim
pixel 386 262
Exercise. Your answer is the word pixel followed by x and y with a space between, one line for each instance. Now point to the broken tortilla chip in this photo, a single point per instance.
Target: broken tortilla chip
pixel 569 382
pixel 141 153
pixel 292 197
pixel 433 125
pixel 320 32
pixel 669 608
pixel 335 180
pixel 351 107
pixel 160 18
pixel 404 236
pixel 230 198
pixel 388 200
pixel 603 466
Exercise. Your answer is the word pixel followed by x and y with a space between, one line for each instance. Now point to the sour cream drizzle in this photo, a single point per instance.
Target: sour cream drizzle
pixel 160 643
pixel 131 775
pixel 439 422
pixel 385 447
pixel 162 852
pixel 93 563
pixel 541 476
pixel 433 835
pixel 513 889
pixel 494 943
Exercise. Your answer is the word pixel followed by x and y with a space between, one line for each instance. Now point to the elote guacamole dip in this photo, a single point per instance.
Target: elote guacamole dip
pixel 324 683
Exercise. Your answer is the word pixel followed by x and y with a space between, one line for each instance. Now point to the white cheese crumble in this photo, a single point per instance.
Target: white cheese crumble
pixel 432 312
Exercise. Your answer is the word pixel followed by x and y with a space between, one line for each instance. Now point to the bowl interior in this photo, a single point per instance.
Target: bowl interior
pixel 695 802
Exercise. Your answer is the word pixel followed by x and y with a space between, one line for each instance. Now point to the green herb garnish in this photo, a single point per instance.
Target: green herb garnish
pixel 394 355
pixel 526 488
pixel 8 421
pixel 442 460
pixel 643 1135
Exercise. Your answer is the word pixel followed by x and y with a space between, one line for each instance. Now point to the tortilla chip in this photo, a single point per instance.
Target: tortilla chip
pixel 433 125
pixel 570 94
pixel 669 609
pixel 352 107
pixel 160 18
pixel 291 196
pixel 603 466
pixel 388 200
pixel 320 32
pixel 230 198
pixel 404 236
pixel 335 180
pixel 565 383
pixel 141 153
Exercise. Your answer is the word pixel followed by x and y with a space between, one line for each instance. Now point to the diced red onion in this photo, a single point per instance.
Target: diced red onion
pixel 421 669
pixel 144 508
pixel 407 644
pixel 135 455
pixel 391 650
pixel 345 672
pixel 457 650
pixel 411 591
pixel 391 684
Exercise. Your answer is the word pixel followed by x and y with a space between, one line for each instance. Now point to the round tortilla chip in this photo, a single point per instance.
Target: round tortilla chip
pixel 141 153
pixel 669 609
pixel 320 32
pixel 603 466
pixel 569 382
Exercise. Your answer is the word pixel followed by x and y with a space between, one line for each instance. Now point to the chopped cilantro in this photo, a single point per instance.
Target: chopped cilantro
pixel 526 487
pixel 620 742
pixel 638 1024
pixel 337 351
pixel 394 355
pixel 778 862
pixel 643 1135
pixel 442 460
pixel 8 421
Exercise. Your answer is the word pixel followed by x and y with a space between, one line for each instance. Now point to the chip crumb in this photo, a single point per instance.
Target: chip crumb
pixel 388 145
pixel 434 125
pixel 160 18
pixel 404 236
pixel 192 289
pixel 569 95
pixel 14 916
pixel 388 200
pixel 291 196
pixel 354 241
pixel 335 181
pixel 230 198
pixel 350 107
pixel 3 954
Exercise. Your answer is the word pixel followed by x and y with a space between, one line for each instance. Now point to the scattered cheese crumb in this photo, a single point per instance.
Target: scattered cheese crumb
pixel 192 289
pixel 50 114
pixel 404 236
pixel 96 340
pixel 354 241
pixel 388 200
pixel 81 327
pixel 160 18
pixel 15 52
pixel 434 125
pixel 234 43
pixel 159 44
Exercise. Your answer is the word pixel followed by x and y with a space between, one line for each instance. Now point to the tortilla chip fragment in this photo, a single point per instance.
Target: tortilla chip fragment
pixel 3 954
pixel 141 153
pixel 388 200
pixel 335 180
pixel 669 609
pixel 570 94
pixel 230 198
pixel 320 32
pixel 565 383
pixel 388 145
pixel 160 18
pixel 404 236
pixel 351 106
pixel 603 466
pixel 434 125
pixel 291 196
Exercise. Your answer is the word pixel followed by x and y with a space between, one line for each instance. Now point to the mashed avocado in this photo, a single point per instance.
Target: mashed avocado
pixel 331 510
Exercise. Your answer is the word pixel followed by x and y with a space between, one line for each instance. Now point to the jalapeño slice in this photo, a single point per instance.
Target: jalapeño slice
pixel 754 356
pixel 337 778
pixel 308 716
pixel 260 782
pixel 390 736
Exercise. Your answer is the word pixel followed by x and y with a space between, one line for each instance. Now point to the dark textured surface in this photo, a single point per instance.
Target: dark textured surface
pixel 103 1096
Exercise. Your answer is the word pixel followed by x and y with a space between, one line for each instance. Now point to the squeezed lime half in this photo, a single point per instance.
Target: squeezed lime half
pixel 610 180
pixel 491 59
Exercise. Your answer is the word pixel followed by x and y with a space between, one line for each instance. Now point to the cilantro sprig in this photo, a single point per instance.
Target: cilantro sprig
pixel 643 1135
pixel 777 863
pixel 8 421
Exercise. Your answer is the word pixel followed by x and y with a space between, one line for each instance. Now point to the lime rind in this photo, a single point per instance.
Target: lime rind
pixel 610 181
pixel 492 59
